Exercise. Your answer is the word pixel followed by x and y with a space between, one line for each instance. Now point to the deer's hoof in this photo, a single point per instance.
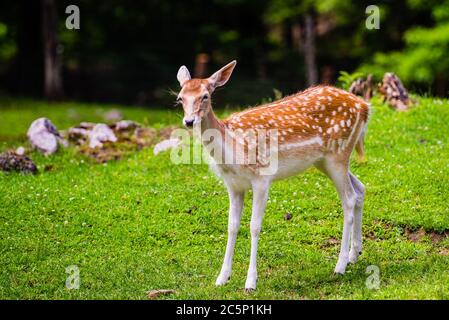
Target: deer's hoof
pixel 354 255
pixel 222 279
pixel 340 268
pixel 250 284
pixel 250 290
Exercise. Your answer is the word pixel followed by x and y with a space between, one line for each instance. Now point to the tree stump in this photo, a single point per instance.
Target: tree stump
pixel 362 87
pixel 394 92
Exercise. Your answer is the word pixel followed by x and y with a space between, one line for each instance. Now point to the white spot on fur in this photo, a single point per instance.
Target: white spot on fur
pixel 336 127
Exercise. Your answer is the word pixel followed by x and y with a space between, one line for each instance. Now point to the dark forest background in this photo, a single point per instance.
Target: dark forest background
pixel 130 51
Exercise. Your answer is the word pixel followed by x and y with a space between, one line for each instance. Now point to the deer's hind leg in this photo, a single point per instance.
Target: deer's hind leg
pixel 356 241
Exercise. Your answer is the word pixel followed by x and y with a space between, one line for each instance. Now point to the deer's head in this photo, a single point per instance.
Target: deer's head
pixel 195 94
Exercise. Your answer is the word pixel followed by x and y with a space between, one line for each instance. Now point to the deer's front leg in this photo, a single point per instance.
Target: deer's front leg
pixel 260 196
pixel 235 213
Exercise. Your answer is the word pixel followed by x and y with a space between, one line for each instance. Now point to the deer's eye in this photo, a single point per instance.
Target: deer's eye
pixel 205 97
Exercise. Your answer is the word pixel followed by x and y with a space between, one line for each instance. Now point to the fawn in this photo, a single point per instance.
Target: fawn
pixel 317 127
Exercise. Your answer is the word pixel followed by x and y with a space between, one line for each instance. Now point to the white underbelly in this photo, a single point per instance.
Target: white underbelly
pixel 240 178
pixel 290 167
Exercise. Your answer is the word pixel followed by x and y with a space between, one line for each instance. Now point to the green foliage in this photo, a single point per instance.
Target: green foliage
pixel 143 223
pixel 280 11
pixel 424 58
pixel 277 94
pixel 346 79
pixel 125 51
pixel 7 46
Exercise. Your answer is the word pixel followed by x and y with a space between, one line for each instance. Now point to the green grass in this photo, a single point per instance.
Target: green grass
pixel 143 223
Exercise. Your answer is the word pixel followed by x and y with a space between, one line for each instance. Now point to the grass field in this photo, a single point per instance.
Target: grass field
pixel 143 223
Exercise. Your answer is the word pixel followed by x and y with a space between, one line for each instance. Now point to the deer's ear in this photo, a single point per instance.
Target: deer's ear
pixel 183 75
pixel 222 76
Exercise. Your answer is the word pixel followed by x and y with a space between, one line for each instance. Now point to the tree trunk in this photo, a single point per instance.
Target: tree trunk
pixel 440 86
pixel 52 58
pixel 201 61
pixel 310 50
pixel 394 92
pixel 27 73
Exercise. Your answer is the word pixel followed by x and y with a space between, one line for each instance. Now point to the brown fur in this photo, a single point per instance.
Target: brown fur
pixel 323 111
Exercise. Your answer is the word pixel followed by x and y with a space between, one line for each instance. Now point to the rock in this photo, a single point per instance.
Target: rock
pixel 124 137
pixel 11 161
pixel 125 125
pixel 20 151
pixel 87 125
pixel 113 115
pixel 78 135
pixel 124 129
pixel 44 136
pixel 165 145
pixel 101 133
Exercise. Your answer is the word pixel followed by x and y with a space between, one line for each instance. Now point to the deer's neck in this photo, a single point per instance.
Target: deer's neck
pixel 210 121
pixel 213 136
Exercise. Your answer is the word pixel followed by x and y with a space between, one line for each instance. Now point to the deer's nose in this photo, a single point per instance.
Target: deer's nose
pixel 189 123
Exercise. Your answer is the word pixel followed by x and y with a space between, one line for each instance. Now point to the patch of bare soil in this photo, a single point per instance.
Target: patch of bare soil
pixel 380 230
pixel 416 235
pixel 154 294
pixel 330 243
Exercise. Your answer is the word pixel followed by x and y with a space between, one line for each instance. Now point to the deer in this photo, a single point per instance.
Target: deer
pixel 318 127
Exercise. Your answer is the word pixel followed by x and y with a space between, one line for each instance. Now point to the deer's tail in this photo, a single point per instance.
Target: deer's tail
pixel 360 144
